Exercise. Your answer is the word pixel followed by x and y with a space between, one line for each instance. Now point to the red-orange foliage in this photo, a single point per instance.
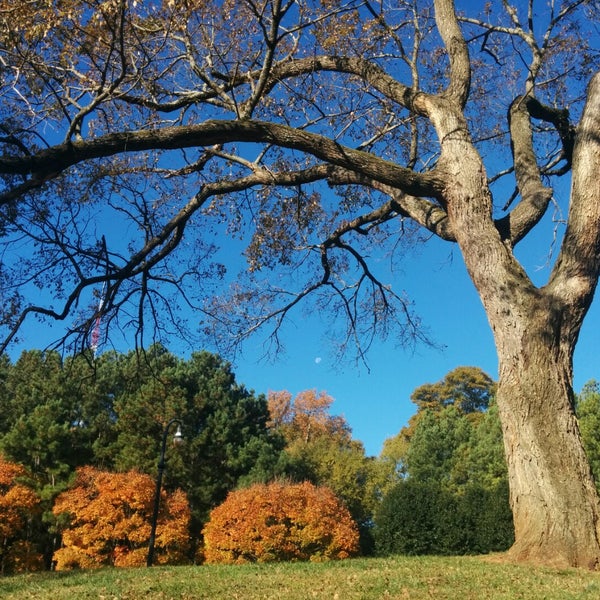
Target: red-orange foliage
pixel 18 503
pixel 110 516
pixel 280 521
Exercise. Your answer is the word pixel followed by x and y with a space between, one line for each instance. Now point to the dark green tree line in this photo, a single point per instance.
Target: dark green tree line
pixel 440 485
pixel 588 413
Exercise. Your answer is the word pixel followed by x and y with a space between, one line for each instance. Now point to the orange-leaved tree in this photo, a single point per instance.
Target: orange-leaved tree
pixel 107 521
pixel 306 417
pixel 320 449
pixel 280 521
pixel 18 504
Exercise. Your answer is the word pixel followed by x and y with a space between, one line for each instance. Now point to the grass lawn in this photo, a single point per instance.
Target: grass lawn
pixel 414 578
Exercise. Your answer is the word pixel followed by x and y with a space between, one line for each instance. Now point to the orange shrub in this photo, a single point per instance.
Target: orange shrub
pixel 109 521
pixel 280 521
pixel 18 503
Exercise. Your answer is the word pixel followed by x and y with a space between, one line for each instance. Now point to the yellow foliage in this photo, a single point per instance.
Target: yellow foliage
pixel 306 417
pixel 23 557
pixel 17 504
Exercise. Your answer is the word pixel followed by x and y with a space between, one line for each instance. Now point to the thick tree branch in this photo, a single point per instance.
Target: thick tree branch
pixel 535 196
pixel 560 119
pixel 47 163
pixel 458 53
pixel 368 71
pixel 426 213
pixel 575 274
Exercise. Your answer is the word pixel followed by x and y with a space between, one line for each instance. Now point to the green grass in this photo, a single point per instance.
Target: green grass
pixel 413 578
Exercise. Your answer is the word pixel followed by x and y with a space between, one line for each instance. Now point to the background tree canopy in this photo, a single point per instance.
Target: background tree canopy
pixel 452 496
pixel 113 411
pixel 61 415
pixel 439 486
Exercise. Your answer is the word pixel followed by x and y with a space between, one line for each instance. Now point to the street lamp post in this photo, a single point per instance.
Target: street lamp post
pixel 177 438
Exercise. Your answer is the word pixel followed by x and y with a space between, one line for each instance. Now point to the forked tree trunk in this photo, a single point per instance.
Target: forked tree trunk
pixel 554 499
pixel 555 504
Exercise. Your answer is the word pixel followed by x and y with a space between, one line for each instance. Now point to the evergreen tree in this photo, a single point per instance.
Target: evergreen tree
pixel 55 415
pixel 453 497
pixel 437 447
pixel 588 413
pixel 226 439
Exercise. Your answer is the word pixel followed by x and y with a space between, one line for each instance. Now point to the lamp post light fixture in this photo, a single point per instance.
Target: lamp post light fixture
pixel 177 439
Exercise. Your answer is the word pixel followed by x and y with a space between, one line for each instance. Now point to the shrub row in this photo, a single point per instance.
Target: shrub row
pixel 424 517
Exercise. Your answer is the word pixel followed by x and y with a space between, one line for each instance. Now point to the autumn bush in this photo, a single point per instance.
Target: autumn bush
pixel 280 522
pixel 107 521
pixel 18 504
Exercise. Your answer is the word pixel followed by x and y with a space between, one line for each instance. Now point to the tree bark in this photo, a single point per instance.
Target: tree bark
pixel 554 499
pixel 552 492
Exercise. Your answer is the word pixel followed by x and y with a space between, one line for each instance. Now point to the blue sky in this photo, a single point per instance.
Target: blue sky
pixel 376 400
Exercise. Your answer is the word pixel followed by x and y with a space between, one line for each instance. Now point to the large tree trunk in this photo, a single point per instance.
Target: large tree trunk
pixel 555 504
pixel 553 496
pixel 554 501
